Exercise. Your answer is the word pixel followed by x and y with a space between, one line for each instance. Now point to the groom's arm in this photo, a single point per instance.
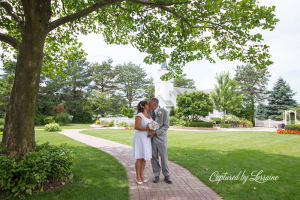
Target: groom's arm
pixel 165 125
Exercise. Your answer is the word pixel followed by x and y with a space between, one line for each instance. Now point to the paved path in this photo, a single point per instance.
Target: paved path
pixel 185 185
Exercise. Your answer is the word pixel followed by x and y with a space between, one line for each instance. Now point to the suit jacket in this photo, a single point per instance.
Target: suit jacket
pixel 162 118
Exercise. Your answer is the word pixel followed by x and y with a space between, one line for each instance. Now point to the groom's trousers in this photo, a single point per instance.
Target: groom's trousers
pixel 164 167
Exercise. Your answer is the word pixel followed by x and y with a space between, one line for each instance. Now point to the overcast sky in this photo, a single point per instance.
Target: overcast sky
pixel 284 44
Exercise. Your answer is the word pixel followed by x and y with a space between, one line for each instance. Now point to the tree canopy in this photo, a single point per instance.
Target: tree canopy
pixel 184 82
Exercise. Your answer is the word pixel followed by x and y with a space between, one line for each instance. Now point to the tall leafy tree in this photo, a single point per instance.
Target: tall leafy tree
pixel 149 91
pixel 43 27
pixel 100 102
pixel 281 99
pixel 184 82
pixel 132 81
pixel 253 84
pixel 196 104
pixel 103 76
pixel 226 95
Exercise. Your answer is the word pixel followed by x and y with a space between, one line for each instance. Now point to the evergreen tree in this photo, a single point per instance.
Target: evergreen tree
pixel 184 82
pixel 253 84
pixel 261 112
pixel 281 99
pixel 132 81
pixel 226 95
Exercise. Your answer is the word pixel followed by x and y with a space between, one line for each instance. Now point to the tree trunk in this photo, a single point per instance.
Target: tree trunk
pixel 19 135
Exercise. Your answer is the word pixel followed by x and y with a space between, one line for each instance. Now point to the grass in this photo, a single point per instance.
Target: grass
pixel 204 153
pixel 70 126
pixel 98 175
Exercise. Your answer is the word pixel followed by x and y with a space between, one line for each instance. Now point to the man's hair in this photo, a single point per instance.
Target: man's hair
pixel 155 100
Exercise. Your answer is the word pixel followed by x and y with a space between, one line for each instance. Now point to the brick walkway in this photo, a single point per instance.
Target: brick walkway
pixel 185 185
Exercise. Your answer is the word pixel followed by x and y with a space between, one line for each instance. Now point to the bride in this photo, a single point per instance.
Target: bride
pixel 141 149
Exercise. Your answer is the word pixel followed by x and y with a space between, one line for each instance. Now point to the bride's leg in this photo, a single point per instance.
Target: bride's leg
pixel 138 166
pixel 143 168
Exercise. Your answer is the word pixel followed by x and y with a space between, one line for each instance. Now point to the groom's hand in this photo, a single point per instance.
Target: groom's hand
pixel 153 133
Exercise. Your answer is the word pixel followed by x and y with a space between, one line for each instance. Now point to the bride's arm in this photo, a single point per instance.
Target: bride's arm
pixel 138 121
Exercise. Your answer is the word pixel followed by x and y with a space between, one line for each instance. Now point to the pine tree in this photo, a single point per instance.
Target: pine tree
pixel 184 82
pixel 261 112
pixel 281 99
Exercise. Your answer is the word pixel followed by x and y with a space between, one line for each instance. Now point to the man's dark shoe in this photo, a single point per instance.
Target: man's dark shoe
pixel 156 179
pixel 168 180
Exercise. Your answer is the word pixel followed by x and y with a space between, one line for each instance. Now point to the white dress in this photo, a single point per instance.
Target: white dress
pixel 141 148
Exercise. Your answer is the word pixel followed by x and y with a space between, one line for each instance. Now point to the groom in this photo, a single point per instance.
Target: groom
pixel 159 141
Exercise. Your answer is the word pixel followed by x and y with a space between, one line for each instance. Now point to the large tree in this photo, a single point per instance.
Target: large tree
pixel 184 82
pixel 196 104
pixel 133 82
pixel 281 99
pixel 226 95
pixel 43 27
pixel 253 84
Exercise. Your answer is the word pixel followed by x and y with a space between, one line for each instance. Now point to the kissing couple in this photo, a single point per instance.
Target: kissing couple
pixel 147 148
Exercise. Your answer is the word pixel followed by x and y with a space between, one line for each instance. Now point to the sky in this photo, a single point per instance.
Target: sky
pixel 284 42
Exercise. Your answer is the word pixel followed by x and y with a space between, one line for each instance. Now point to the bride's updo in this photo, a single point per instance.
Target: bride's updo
pixel 141 106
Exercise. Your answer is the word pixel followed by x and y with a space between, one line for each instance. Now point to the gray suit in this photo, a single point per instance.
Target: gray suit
pixel 159 143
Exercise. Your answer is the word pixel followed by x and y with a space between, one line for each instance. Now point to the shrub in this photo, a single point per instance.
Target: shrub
pixel 39 118
pixel 294 127
pixel 2 121
pixel 201 124
pixel 173 120
pixel 59 109
pixel 1 132
pixel 128 112
pixel 216 119
pixel 247 122
pixel 49 120
pixel 63 118
pixel 123 124
pixel 97 122
pixel 184 118
pixel 222 125
pixel 1 128
pixel 83 117
pixel 182 123
pixel 27 174
pixel 52 127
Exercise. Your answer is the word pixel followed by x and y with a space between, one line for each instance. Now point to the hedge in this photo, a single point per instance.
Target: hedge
pixel 201 124
pixel 294 127
pixel 216 119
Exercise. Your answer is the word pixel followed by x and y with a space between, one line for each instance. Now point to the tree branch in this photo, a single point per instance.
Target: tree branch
pixel 9 10
pixel 80 14
pixel 10 40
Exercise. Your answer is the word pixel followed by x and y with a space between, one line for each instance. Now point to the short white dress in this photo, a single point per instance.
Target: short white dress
pixel 141 148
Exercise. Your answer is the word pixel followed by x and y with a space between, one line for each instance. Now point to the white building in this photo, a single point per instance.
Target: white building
pixel 166 93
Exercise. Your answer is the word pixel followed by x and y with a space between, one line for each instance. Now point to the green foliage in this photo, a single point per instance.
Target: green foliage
pixel 201 124
pixel 123 124
pixel 196 104
pixel 172 112
pixel 100 102
pixel 63 118
pixel 1 128
pixel 173 120
pixel 226 95
pixel 222 125
pixel 261 112
pixel 294 127
pixel 128 112
pixel 183 82
pixel 6 84
pixel 52 127
pixel 216 119
pixel 39 118
pixel 27 174
pixel 2 121
pixel 247 122
pixel 281 99
pixel 253 84
pixel 133 82
pixel 82 117
pixel 49 120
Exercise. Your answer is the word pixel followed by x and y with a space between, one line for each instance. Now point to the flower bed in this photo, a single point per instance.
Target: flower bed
pixel 281 131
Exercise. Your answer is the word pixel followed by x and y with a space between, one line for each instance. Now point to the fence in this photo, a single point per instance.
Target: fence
pixel 268 123
pixel 118 120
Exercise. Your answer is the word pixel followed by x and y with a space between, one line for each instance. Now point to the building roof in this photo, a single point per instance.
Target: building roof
pixel 167 103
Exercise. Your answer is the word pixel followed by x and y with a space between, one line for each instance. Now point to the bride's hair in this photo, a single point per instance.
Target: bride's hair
pixel 141 106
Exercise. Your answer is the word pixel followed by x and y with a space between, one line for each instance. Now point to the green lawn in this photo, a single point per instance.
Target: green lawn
pixel 98 175
pixel 70 126
pixel 233 152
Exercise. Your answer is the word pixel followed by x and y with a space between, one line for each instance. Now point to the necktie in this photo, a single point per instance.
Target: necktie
pixel 154 116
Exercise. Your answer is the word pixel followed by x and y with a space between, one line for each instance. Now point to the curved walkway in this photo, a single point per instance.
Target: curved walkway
pixel 185 185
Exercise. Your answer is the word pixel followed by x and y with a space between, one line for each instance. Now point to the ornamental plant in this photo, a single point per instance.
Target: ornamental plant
pixel 281 131
pixel 52 127
pixel 49 120
pixel 59 109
